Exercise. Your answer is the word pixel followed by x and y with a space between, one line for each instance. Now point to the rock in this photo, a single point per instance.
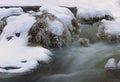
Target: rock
pixel 84 42
pixel 111 64
pixel 49 31
pixel 109 31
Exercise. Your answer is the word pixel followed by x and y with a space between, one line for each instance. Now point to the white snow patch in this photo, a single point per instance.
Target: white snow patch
pixel 18 24
pixel 56 27
pixel 90 12
pixel 4 12
pixel 111 27
pixel 63 14
pixel 22 57
pixel 111 64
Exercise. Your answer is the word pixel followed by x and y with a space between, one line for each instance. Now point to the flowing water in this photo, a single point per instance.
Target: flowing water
pixel 76 63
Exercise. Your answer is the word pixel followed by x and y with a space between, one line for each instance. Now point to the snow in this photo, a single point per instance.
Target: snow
pixel 111 64
pixel 111 27
pixel 15 53
pixel 12 56
pixel 18 24
pixel 101 5
pixel 10 11
pixel 56 27
pixel 89 12
pixel 63 14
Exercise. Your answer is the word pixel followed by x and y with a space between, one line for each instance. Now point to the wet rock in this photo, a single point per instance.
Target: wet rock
pixel 84 42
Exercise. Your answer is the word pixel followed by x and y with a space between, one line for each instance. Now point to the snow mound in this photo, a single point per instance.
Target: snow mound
pixel 4 12
pixel 109 30
pixel 17 28
pixel 111 64
pixel 15 55
pixel 90 14
pixel 62 13
pixel 49 31
pixel 20 59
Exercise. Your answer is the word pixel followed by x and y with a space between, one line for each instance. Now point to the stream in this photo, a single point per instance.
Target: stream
pixel 76 63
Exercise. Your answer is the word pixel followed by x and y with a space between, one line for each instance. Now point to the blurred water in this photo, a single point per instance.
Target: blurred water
pixel 76 64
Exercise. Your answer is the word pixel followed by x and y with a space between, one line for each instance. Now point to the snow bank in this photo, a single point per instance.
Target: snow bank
pixel 109 30
pixel 63 14
pixel 20 59
pixel 90 14
pixel 10 11
pixel 17 28
pixel 15 55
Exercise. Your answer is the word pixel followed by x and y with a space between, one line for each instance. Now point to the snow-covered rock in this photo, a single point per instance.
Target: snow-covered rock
pixel 21 59
pixel 92 15
pixel 4 12
pixel 109 30
pixel 49 31
pixel 111 64
pixel 15 55
pixel 64 14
